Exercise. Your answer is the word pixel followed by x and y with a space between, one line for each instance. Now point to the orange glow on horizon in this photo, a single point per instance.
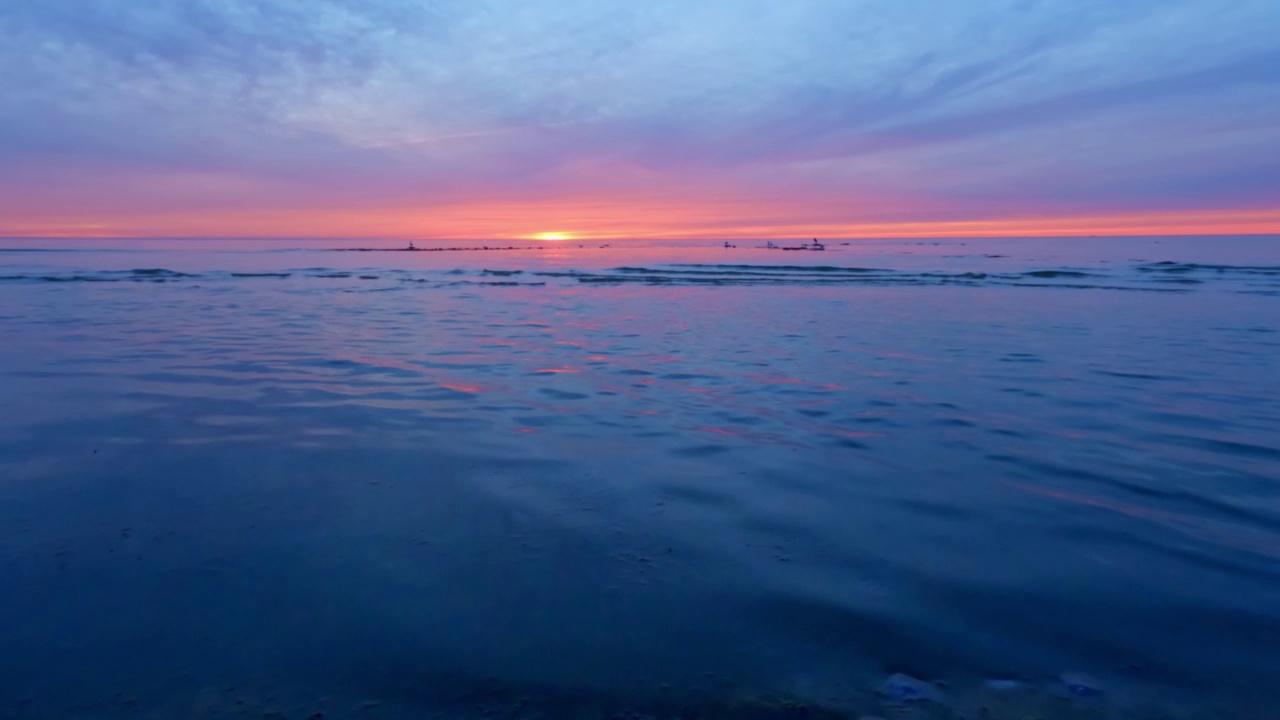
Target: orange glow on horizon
pixel 605 220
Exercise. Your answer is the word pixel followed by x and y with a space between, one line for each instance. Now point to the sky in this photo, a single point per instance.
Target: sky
pixel 653 118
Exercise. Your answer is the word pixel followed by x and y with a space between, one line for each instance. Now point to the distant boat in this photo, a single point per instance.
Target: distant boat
pixel 807 246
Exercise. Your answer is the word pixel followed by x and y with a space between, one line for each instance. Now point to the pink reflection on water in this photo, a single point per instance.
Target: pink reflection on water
pixel 725 432
pixel 777 379
pixel 382 362
pixel 1202 528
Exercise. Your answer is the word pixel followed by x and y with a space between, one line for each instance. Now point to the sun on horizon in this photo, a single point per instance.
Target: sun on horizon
pixel 553 236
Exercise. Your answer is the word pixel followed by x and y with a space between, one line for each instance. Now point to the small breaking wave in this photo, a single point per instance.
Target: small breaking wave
pixel 1161 277
pixel 135 275
pixel 687 274
pixel 1178 267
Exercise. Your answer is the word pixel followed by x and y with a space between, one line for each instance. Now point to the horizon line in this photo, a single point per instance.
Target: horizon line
pixel 614 238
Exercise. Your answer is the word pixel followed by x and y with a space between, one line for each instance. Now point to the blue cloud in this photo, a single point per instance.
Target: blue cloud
pixel 1015 100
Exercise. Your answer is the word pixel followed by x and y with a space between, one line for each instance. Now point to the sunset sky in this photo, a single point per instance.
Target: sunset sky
pixel 671 118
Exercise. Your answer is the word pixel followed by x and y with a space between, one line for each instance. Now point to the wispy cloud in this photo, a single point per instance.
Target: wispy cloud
pixel 989 108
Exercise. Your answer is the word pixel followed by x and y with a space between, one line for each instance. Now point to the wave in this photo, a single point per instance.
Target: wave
pixel 135 275
pixel 1178 267
pixel 736 274
pixel 1163 277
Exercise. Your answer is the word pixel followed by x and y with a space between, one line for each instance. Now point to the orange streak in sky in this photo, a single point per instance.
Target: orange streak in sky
pixel 616 219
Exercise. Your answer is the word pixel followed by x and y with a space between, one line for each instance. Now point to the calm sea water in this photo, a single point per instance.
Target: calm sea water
pixel 275 479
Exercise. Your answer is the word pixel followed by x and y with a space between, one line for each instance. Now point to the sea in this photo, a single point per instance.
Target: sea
pixel 962 478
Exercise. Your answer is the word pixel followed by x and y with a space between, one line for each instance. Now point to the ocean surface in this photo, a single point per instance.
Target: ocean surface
pixel 333 479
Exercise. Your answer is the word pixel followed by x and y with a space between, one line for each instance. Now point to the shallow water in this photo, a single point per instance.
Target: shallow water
pixel 249 478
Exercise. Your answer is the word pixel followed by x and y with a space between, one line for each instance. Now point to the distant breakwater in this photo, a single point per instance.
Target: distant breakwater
pixel 481 248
